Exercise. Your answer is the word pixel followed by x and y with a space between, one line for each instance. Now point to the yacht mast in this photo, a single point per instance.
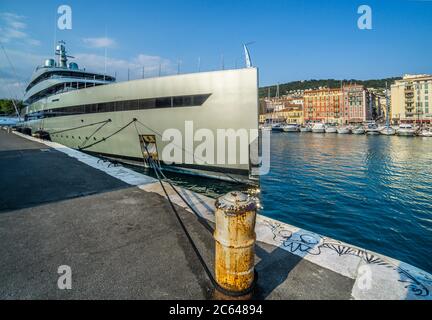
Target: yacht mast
pixel 387 107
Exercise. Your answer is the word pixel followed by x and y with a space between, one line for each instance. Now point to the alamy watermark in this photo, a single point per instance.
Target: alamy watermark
pixel 216 147
pixel 64 282
pixel 364 22
pixel 64 22
pixel 364 279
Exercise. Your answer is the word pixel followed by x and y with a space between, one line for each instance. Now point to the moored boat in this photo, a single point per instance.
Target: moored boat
pixel 291 127
pixel 406 129
pixel 372 129
pixel 278 127
pixel 93 112
pixel 330 128
pixel 426 133
pixel 318 128
pixel 306 129
pixel 388 131
pixel 343 130
pixel 358 130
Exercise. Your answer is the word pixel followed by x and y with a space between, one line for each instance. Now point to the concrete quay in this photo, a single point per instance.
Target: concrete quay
pixel 116 230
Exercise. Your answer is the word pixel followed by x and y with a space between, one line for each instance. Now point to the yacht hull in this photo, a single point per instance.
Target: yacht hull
pixel 290 129
pixel 373 132
pixel 406 133
pixel 232 103
pixel 343 131
pixel 358 131
pixel 388 132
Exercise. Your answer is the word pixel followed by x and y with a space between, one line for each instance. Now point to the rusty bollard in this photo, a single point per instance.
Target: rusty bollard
pixel 235 241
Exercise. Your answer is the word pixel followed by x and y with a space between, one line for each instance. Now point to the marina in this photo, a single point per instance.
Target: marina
pixel 369 128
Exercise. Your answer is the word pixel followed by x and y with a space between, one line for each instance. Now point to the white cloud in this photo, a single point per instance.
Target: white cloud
pixel 120 66
pixel 102 42
pixel 10 88
pixel 13 85
pixel 12 29
pixel 25 63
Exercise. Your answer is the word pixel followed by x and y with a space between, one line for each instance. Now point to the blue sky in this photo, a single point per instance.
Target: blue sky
pixel 293 40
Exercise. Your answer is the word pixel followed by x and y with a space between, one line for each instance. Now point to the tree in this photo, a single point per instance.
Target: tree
pixel 330 83
pixel 7 106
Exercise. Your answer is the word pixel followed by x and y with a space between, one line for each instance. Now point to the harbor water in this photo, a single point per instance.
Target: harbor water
pixel 371 191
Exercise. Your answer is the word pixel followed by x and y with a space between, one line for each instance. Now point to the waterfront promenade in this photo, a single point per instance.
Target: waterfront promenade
pixel 116 231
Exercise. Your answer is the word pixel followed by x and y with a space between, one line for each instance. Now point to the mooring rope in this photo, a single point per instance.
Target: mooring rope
pixel 191 241
pixel 79 127
pixel 157 167
pixel 106 138
pixel 94 132
pixel 183 149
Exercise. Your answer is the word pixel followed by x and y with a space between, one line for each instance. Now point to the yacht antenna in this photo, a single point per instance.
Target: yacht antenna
pixel 61 52
pixel 55 31
pixel 105 62
pixel 387 106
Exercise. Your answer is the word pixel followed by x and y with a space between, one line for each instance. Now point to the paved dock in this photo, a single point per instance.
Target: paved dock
pixel 117 232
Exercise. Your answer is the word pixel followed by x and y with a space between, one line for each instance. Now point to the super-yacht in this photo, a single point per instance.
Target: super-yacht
pixel 137 119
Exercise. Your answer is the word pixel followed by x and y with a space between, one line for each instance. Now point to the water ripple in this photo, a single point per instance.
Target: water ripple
pixel 371 191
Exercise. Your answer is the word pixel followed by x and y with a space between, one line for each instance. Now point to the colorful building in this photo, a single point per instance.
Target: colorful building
pixel 288 115
pixel 322 105
pixel 348 104
pixel 410 99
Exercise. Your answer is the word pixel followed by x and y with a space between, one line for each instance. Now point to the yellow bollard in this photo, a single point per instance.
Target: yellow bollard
pixel 235 240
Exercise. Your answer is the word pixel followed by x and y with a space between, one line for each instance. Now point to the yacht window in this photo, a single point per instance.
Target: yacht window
pixel 115 106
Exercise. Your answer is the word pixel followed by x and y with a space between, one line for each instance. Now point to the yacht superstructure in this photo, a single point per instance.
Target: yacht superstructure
pixel 124 120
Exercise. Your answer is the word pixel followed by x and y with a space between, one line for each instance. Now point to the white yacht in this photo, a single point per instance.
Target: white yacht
pixel 358 130
pixel 318 128
pixel 306 128
pixel 123 120
pixel 291 127
pixel 279 126
pixel 388 131
pixel 372 129
pixel 406 129
pixel 426 133
pixel 343 130
pixel 330 128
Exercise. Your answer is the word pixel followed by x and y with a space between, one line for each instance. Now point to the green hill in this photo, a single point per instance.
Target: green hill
pixel 331 83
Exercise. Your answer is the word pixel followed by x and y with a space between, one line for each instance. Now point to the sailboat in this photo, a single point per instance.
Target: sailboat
pixel 387 130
